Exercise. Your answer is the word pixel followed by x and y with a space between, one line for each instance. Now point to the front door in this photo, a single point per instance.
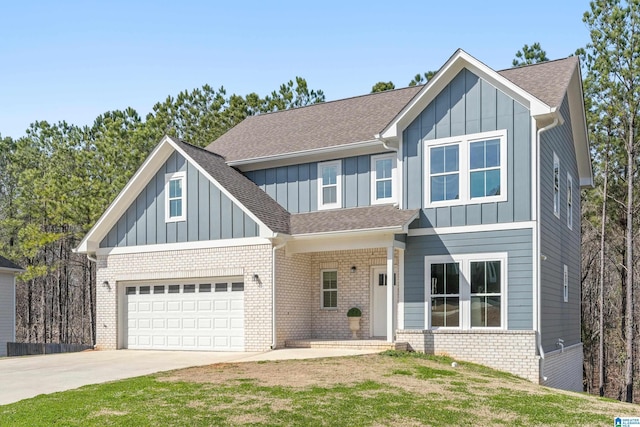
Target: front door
pixel 379 309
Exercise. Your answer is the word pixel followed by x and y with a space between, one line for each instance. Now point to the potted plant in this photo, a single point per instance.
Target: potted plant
pixel 354 314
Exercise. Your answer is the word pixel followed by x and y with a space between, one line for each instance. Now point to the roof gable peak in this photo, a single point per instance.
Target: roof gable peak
pixel 456 63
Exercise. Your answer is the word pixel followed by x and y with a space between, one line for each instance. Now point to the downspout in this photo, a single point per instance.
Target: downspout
pixel 539 257
pixel 385 143
pixel 92 259
pixel 274 340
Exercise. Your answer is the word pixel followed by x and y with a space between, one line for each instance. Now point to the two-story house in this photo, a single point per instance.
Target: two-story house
pixel 464 191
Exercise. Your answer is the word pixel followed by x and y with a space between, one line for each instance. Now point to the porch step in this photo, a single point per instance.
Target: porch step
pixel 347 344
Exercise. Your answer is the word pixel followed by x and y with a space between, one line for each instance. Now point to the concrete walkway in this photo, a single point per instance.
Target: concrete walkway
pixel 29 376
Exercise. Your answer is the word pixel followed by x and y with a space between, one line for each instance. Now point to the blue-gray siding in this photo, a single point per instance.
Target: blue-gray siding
pixel 296 187
pixel 470 105
pixel 517 244
pixel 210 214
pixel 560 246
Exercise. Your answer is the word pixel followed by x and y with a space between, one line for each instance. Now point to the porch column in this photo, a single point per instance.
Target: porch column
pixel 400 310
pixel 390 293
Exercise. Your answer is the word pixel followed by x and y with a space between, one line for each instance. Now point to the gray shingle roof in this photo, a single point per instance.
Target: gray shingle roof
pixel 358 119
pixel 548 81
pixel 351 219
pixel 5 263
pixel 327 124
pixel 246 192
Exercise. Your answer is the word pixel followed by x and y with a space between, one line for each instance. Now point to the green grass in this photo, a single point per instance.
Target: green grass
pixel 403 389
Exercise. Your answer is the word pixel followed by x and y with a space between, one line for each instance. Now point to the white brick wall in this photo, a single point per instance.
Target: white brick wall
pixel 183 264
pixel 298 307
pixel 510 351
pixel 293 296
pixel 563 369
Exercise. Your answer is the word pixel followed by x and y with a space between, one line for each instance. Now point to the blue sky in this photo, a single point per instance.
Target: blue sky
pixel 73 60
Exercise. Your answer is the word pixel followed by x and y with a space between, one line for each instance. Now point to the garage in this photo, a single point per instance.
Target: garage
pixel 204 316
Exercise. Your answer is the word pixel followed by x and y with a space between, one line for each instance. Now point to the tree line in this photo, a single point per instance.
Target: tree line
pixel 59 178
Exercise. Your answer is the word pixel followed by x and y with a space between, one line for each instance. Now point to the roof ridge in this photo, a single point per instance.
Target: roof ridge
pixel 538 63
pixel 196 147
pixel 332 101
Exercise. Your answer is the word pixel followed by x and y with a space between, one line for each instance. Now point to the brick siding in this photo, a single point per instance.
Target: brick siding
pixel 242 261
pixel 510 351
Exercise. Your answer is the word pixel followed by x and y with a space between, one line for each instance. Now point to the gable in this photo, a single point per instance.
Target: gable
pixel 252 211
pixel 210 214
pixel 470 105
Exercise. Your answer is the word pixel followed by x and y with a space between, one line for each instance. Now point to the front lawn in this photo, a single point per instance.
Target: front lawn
pixel 392 388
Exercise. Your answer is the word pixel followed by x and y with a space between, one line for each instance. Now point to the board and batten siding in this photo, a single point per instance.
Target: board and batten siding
pixel 295 187
pixel 470 105
pixel 211 215
pixel 559 244
pixel 517 244
pixel 7 311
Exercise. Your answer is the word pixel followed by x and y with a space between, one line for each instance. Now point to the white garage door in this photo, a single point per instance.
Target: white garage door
pixel 201 316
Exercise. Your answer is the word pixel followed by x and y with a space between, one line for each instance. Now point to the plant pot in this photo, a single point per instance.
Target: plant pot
pixel 354 325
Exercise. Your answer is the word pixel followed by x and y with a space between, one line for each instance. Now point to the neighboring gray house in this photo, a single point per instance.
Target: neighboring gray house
pixel 465 190
pixel 8 271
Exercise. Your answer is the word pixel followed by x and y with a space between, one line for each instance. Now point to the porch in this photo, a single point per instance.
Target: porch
pixel 335 260
pixel 315 290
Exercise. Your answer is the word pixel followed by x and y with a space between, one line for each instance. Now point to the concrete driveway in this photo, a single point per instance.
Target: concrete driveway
pixel 29 376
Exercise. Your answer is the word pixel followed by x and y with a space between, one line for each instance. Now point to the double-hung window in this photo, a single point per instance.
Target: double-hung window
pixel 329 185
pixel 329 289
pixel 466 169
pixel 175 197
pixel 484 168
pixel 466 291
pixel 445 172
pixel 556 185
pixel 383 178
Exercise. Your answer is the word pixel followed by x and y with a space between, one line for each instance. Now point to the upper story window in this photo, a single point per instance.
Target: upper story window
pixel 569 202
pixel 556 185
pixel 175 191
pixel 330 185
pixel 383 178
pixel 484 168
pixel 466 169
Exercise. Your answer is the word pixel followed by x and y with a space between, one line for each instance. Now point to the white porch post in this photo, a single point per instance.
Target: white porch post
pixel 390 293
pixel 400 316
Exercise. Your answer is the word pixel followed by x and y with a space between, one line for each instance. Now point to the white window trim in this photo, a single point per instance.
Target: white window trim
pixel 167 179
pixel 322 290
pixel 338 203
pixel 465 260
pixel 464 162
pixel 570 197
pixel 394 180
pixel 565 283
pixel 556 196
